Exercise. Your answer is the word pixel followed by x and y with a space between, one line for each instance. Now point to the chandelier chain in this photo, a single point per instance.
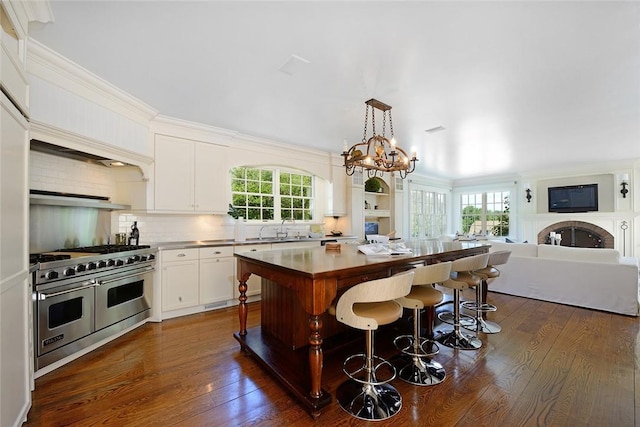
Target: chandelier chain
pixel 373 119
pixel 366 119
pixel 384 123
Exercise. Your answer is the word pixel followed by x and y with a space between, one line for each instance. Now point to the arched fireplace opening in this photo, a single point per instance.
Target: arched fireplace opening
pixel 578 234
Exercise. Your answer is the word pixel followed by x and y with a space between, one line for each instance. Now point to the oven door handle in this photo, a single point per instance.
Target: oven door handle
pixel 136 274
pixel 89 284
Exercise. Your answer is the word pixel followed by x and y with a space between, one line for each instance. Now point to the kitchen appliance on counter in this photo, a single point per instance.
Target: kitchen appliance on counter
pixel 84 295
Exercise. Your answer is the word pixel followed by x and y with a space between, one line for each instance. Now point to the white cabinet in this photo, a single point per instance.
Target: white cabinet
pixel 254 284
pixel 216 274
pixel 16 369
pixel 180 278
pixel 337 193
pixel 357 204
pixel 196 279
pixel 190 176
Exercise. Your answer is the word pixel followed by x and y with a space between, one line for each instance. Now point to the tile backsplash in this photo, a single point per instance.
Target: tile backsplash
pixel 157 228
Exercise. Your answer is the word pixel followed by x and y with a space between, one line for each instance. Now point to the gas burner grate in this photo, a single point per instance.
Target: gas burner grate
pixel 106 249
pixel 35 258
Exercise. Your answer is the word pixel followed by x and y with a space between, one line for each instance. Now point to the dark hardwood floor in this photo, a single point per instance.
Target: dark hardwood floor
pixel 552 365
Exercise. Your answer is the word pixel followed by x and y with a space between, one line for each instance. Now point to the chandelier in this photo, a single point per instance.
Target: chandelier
pixel 378 154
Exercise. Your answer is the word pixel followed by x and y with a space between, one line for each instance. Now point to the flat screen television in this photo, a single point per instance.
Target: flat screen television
pixel 573 198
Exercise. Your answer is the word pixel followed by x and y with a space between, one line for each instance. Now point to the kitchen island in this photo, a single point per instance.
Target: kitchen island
pixel 301 284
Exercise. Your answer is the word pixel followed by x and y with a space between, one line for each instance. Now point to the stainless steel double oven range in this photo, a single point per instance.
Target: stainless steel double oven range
pixel 84 295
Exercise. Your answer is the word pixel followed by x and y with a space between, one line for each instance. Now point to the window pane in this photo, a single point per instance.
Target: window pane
pixel 490 217
pixel 253 193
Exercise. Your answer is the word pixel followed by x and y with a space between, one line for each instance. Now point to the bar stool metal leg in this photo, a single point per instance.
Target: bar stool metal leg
pixel 420 369
pixel 455 338
pixel 481 324
pixel 363 395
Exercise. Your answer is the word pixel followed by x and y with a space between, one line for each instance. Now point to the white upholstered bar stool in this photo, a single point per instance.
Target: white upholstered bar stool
pixel 416 366
pixel 480 305
pixel 462 277
pixel 366 306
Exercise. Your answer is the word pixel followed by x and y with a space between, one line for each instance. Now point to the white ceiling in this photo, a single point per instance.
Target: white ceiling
pixel 519 86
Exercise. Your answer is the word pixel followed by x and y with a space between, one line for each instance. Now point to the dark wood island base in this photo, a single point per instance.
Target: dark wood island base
pixel 291 368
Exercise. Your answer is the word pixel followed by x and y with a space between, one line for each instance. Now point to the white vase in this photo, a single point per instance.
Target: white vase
pixel 240 232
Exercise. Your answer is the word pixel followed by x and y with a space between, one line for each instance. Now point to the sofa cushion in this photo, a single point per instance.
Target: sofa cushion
pixel 610 256
pixel 517 249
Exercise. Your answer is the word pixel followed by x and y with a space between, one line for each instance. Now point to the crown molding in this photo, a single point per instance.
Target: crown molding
pixel 38 11
pixel 170 126
pixel 50 66
pixel 200 132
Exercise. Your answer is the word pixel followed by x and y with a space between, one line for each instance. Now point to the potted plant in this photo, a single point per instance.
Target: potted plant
pixel 372 185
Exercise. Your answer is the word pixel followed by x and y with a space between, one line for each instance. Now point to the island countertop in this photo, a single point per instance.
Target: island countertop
pixel 315 262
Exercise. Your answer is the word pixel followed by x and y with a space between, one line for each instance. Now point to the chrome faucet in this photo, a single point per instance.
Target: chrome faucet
pixel 284 233
pixel 260 232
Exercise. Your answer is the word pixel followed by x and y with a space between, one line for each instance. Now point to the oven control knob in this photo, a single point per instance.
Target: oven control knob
pixel 132 259
pixel 151 257
pixel 91 266
pixel 68 272
pixel 119 262
pixel 111 263
pixel 102 264
pixel 80 268
pixel 50 275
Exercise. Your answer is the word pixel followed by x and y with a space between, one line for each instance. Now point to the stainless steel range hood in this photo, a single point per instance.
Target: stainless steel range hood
pixel 70 153
pixel 52 198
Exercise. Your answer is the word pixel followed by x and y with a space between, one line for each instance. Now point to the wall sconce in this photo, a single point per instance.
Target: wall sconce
pixel 527 189
pixel 624 182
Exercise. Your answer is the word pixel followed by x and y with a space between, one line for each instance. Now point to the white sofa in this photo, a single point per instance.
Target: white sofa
pixel 585 277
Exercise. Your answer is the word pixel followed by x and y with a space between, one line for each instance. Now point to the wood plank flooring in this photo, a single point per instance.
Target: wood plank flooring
pixel 552 365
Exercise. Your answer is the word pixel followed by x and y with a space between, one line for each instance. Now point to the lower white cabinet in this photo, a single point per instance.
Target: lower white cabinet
pixel 196 277
pixel 216 274
pixel 254 284
pixel 180 279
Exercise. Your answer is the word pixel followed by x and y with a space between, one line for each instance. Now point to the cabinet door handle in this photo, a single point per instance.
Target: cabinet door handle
pixel 181 255
pixel 217 253
pixel 254 250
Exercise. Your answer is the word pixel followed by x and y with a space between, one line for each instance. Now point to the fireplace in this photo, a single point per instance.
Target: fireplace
pixel 578 234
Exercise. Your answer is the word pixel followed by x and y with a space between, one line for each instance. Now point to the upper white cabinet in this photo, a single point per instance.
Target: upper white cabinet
pixel 13 76
pixel 337 193
pixel 190 176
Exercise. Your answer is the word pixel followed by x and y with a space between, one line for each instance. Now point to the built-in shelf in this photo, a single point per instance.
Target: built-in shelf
pixel 378 213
